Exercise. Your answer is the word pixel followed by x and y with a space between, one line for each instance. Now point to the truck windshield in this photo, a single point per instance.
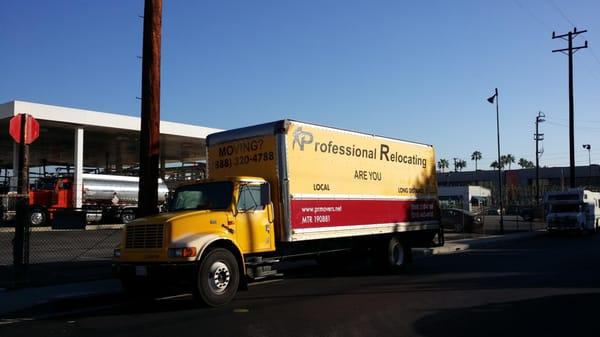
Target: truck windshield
pixel 215 195
pixel 569 208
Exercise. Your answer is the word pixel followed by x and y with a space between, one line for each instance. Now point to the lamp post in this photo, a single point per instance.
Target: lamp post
pixel 491 100
pixel 588 147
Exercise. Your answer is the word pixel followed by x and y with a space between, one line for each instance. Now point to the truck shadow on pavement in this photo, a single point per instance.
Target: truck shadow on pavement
pixel 562 315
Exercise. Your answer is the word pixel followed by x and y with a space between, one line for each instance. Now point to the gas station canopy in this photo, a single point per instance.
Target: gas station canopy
pixel 110 141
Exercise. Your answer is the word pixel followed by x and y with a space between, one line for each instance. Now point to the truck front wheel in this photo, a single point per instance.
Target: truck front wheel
pixel 218 278
pixel 127 216
pixel 37 217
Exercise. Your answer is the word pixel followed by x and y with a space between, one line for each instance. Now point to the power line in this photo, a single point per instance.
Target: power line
pixel 564 16
pixel 579 120
pixel 579 128
pixel 595 55
pixel 542 23
pixel 561 13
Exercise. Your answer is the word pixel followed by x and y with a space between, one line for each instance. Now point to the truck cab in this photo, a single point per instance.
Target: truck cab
pixel 576 209
pixel 209 230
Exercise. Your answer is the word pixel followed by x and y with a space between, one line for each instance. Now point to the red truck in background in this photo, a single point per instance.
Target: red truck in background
pixel 104 196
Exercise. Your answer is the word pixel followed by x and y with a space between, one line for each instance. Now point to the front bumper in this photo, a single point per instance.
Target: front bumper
pixel 564 227
pixel 154 272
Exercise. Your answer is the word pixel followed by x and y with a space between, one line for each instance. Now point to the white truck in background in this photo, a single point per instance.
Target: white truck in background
pixel 474 199
pixel 575 209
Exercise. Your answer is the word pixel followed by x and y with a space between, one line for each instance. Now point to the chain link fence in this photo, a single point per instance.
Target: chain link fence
pixel 67 250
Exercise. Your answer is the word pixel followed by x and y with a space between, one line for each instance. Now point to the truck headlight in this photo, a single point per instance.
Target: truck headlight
pixel 182 252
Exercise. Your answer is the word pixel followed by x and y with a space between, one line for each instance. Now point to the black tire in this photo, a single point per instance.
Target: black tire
pixel 397 255
pixel 218 278
pixel 37 217
pixel 127 216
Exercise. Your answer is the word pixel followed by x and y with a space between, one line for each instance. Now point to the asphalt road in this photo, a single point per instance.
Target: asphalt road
pixel 541 286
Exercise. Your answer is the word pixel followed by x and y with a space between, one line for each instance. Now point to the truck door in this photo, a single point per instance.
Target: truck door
pixel 254 219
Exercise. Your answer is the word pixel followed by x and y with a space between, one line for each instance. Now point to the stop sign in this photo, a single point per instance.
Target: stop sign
pixel 32 128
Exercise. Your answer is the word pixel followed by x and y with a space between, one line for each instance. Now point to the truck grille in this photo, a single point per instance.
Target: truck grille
pixel 144 236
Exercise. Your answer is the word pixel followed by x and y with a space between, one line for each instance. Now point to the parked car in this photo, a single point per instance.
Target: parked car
pixel 493 211
pixel 525 213
pixel 461 220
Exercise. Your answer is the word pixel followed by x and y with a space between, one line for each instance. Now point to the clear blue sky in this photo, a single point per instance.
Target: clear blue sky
pixel 416 70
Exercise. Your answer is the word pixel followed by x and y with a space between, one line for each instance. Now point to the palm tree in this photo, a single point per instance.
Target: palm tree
pixel 443 164
pixel 461 164
pixel 495 165
pixel 526 164
pixel 508 159
pixel 476 156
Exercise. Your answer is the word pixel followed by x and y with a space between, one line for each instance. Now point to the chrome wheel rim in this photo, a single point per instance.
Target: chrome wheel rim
pixel 37 218
pixel 218 277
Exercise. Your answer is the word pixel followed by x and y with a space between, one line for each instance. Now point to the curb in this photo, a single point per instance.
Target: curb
pixel 465 244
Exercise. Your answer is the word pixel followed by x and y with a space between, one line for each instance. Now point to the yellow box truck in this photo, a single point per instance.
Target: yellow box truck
pixel 282 190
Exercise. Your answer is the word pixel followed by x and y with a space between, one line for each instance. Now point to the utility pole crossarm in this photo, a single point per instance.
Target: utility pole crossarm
pixel 574 33
pixel 571 49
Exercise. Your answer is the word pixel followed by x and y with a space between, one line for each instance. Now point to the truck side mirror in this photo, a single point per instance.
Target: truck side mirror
pixel 265 194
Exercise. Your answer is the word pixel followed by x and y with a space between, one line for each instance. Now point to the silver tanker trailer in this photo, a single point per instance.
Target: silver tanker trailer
pixel 104 196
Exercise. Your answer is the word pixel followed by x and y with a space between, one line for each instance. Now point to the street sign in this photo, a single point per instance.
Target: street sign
pixel 32 128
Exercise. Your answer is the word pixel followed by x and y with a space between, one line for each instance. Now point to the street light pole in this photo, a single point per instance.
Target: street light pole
pixel 491 100
pixel 588 147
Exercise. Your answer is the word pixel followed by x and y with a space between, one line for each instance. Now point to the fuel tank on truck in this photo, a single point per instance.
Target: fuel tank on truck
pixel 101 188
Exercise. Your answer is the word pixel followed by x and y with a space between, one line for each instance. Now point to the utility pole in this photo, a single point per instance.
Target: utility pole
pixel 150 127
pixel 21 240
pixel 538 137
pixel 569 51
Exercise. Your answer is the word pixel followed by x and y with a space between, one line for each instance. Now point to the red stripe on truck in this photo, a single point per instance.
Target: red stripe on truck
pixel 328 212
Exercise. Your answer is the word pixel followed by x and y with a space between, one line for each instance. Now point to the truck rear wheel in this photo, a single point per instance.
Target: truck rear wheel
pixel 218 278
pixel 398 254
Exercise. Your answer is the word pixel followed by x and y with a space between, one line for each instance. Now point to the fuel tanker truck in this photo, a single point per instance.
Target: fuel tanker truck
pixel 104 196
pixel 284 190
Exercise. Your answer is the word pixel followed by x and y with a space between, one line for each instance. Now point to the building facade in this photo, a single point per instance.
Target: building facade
pixel 519 186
